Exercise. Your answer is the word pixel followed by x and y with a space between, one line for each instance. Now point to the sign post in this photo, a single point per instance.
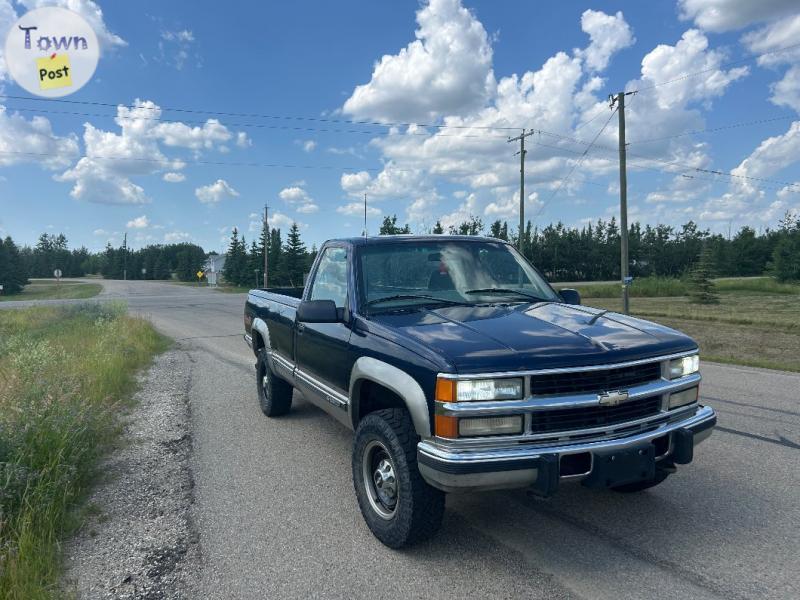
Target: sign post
pixel 199 277
pixel 57 275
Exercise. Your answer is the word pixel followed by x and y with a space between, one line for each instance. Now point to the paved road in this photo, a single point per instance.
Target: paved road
pixel 277 516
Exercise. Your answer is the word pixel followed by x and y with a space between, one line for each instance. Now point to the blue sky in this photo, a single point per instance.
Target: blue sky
pixel 273 83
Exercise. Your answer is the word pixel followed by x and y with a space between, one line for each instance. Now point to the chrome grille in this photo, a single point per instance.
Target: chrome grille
pixel 619 378
pixel 569 419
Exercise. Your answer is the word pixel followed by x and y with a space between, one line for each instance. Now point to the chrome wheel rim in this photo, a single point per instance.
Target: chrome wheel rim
pixel 265 382
pixel 380 479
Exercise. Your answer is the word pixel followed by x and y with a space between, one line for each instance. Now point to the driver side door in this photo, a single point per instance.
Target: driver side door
pixel 324 359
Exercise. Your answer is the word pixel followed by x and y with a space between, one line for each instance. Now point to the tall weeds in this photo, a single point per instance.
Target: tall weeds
pixel 65 373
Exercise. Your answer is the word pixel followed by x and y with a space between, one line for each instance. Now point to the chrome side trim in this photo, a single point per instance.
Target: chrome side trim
pixel 248 339
pixel 602 367
pixel 447 454
pixel 281 366
pixel 326 392
pixel 400 382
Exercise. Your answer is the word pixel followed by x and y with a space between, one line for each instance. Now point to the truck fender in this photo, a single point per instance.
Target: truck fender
pixel 260 326
pixel 400 382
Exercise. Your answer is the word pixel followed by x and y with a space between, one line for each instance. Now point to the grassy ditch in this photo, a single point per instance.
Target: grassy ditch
pixel 43 289
pixel 754 326
pixel 670 287
pixel 65 372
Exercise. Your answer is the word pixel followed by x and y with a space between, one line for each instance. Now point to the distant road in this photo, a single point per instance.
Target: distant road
pixel 277 515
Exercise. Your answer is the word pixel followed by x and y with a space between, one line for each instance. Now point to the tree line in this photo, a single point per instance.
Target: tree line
pixel 592 252
pixel 562 253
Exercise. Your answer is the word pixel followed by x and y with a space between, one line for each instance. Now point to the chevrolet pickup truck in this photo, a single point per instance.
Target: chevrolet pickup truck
pixel 460 369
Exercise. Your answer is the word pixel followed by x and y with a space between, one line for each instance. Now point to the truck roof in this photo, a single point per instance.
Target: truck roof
pixel 408 237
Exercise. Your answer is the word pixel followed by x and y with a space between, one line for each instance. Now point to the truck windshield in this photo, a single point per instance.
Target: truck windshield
pixel 404 274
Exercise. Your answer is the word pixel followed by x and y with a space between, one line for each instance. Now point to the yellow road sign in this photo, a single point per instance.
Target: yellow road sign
pixel 200 274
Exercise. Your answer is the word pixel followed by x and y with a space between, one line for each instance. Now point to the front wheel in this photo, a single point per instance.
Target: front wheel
pixel 274 393
pixel 398 505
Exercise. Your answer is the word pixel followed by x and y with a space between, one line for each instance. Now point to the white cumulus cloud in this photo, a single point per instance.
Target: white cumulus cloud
pixel 728 15
pixel 446 70
pixel 172 177
pixel 609 34
pixel 297 197
pixel 215 192
pixel 138 223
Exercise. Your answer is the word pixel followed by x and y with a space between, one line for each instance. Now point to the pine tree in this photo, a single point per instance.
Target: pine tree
pixel 13 271
pixel 701 286
pixel 255 262
pixel 389 226
pixel 438 229
pixel 274 262
pixel 785 263
pixel 294 257
pixel 236 261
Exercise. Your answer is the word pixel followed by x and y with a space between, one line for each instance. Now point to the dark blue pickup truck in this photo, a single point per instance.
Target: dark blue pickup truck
pixel 460 369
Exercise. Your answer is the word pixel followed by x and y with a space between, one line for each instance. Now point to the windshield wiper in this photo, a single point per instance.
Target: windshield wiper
pixel 415 297
pixel 507 291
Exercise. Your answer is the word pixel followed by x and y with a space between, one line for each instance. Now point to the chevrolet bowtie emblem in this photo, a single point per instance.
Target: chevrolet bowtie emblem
pixel 612 398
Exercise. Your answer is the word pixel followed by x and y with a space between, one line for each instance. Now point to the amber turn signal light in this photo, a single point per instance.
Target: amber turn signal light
pixel 445 390
pixel 446 426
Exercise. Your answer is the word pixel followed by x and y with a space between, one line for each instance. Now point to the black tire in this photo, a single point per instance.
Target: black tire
pixel 388 435
pixel 639 486
pixel 274 393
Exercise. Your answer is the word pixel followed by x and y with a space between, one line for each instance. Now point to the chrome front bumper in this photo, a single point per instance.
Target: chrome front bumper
pixel 523 465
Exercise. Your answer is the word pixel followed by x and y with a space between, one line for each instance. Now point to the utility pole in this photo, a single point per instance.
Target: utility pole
pixel 521 137
pixel 267 240
pixel 125 257
pixel 365 215
pixel 619 99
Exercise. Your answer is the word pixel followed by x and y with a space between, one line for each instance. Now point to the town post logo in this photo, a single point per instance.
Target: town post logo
pixel 51 52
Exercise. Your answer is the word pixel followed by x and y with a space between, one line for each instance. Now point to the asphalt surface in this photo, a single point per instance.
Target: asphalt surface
pixel 277 516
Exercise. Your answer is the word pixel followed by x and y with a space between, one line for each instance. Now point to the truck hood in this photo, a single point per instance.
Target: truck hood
pixel 538 336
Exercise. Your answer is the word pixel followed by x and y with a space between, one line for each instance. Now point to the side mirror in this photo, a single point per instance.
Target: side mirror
pixel 317 311
pixel 570 296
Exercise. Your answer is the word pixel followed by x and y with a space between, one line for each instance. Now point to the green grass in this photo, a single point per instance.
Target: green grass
pixel 43 289
pixel 667 287
pixel 65 372
pixel 752 326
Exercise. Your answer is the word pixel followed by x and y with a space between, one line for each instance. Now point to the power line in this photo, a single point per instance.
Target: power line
pixel 575 165
pixel 241 125
pixel 715 129
pixel 676 163
pixel 257 115
pixel 170 162
pixel 718 67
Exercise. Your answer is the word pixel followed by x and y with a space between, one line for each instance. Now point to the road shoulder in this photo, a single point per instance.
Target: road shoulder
pixel 139 540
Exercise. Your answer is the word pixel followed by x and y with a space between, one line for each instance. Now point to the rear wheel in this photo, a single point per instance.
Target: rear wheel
pixel 398 505
pixel 274 393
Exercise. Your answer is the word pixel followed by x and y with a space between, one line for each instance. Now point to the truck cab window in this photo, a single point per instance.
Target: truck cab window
pixel 330 282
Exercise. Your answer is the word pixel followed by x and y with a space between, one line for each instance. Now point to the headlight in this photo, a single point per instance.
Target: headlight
pixel 681 367
pixel 472 390
pixel 683 398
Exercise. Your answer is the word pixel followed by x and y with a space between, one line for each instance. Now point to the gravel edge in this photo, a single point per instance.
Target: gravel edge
pixel 139 540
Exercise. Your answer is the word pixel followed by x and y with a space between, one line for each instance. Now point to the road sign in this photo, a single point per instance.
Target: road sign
pixel 57 273
pixel 200 274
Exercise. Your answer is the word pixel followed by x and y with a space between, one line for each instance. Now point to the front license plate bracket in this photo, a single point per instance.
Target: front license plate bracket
pixel 622 466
